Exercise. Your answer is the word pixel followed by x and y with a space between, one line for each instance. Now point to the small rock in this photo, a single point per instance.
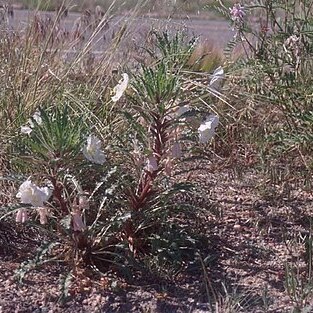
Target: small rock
pixel 237 227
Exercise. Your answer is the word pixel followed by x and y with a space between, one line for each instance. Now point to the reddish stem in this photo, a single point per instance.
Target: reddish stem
pixel 57 194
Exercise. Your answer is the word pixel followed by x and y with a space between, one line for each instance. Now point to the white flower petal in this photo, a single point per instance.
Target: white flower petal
pixel 37 117
pixel 29 193
pixel 207 129
pixel 47 192
pixel 26 129
pixel 92 151
pixel 120 88
pixel 25 192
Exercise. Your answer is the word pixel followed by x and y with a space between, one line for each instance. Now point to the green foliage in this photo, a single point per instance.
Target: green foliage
pixel 270 70
pixel 42 256
pixel 65 283
pixel 175 50
pixel 156 87
pixel 110 214
pixel 58 139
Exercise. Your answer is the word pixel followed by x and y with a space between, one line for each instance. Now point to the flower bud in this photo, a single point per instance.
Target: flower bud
pixel 77 221
pixel 151 164
pixel 21 216
pixel 176 150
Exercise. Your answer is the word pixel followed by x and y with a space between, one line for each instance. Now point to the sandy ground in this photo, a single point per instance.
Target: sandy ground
pixel 252 228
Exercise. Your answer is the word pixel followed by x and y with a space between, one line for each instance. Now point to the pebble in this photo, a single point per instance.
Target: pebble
pixel 237 227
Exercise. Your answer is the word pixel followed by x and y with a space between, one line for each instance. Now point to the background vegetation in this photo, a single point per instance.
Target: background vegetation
pixel 148 6
pixel 117 137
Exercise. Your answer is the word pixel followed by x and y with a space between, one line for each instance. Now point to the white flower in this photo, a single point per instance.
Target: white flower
pixel 207 129
pixel 217 76
pixel 28 128
pixel 37 118
pixel 151 164
pixel 29 193
pixel 120 88
pixel 92 151
pixel 21 216
pixel 176 150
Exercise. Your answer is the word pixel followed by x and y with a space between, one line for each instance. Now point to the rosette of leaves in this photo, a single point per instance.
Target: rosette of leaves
pixel 54 145
pixel 175 50
pixel 51 152
pixel 147 211
pixel 156 86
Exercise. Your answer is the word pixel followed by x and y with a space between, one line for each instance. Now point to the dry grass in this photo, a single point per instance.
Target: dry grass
pixel 254 215
pixel 162 7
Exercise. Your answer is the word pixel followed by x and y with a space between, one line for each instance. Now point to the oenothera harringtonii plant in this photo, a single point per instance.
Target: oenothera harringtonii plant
pixel 66 164
pixel 155 143
pixel 152 95
pixel 56 148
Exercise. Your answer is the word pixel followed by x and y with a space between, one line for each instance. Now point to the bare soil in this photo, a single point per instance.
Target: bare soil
pixel 253 228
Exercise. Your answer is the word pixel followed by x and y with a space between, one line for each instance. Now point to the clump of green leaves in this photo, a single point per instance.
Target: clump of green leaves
pixel 270 79
pixel 106 176
pixel 55 142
